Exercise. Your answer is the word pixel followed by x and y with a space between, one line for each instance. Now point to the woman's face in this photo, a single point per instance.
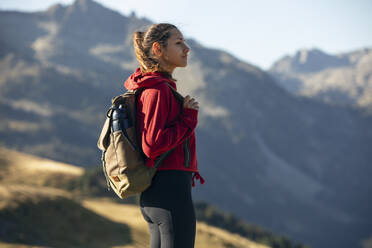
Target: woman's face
pixel 175 54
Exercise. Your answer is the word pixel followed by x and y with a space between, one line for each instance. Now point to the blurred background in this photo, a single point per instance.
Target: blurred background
pixel 285 123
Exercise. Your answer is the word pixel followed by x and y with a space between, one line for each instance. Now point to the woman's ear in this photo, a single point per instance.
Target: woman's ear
pixel 156 49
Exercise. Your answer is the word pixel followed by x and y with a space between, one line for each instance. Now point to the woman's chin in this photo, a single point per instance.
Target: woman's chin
pixel 183 64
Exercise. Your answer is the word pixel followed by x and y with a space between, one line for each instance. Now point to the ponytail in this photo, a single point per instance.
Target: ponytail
pixel 138 49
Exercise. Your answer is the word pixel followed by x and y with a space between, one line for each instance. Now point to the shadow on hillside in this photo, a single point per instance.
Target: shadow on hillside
pixel 58 222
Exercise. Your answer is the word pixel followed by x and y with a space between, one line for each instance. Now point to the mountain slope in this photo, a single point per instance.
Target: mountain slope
pixel 35 211
pixel 47 217
pixel 207 236
pixel 20 167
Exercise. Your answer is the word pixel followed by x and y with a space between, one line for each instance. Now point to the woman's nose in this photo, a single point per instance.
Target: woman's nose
pixel 187 49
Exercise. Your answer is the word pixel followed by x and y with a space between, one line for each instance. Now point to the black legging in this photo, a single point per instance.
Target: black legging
pixel 168 208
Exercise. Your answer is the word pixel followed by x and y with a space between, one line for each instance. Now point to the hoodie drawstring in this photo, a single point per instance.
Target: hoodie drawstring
pixel 197 177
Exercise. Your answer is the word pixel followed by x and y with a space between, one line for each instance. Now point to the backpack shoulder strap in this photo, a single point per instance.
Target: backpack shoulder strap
pixel 176 94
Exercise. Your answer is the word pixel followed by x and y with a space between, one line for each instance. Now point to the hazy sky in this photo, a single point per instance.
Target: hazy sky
pixel 258 32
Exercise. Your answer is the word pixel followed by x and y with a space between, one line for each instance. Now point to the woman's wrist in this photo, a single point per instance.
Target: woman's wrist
pixel 190 117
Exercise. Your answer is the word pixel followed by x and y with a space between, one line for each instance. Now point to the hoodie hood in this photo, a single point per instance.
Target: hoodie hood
pixel 139 80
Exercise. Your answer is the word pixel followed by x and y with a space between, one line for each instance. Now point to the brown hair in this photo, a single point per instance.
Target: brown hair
pixel 142 42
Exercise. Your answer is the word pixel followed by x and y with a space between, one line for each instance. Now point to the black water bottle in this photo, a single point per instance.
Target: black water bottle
pixel 119 118
pixel 125 118
pixel 121 122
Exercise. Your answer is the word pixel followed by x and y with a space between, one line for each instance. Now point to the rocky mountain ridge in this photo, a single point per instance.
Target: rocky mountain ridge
pixel 342 79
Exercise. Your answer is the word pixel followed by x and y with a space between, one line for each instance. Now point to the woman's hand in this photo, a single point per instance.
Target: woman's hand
pixel 190 103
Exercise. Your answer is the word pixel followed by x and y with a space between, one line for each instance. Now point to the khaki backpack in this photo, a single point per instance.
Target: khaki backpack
pixel 123 160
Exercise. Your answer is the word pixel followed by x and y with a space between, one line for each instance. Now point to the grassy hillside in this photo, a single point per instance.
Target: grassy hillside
pixel 48 217
pixel 92 183
pixel 206 236
pixel 36 210
pixel 43 216
pixel 17 167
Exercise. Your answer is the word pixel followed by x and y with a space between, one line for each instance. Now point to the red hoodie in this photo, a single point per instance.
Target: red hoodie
pixel 161 125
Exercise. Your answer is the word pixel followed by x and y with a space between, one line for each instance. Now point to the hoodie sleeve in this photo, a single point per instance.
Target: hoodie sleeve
pixel 157 135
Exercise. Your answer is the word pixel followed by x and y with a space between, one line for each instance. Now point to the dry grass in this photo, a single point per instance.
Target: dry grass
pixel 206 236
pixel 17 167
pixel 13 195
pixel 23 178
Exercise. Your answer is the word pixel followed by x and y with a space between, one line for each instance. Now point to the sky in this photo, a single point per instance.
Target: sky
pixel 258 32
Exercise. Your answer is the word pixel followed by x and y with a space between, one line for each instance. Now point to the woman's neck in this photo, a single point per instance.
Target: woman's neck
pixel 166 67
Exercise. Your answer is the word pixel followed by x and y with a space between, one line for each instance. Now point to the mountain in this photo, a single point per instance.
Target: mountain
pixel 343 79
pixel 290 164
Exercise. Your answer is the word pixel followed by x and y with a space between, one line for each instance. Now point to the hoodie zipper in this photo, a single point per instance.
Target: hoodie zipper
pixel 186 151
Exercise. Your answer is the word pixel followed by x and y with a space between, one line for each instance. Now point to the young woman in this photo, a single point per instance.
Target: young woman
pixel 163 123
